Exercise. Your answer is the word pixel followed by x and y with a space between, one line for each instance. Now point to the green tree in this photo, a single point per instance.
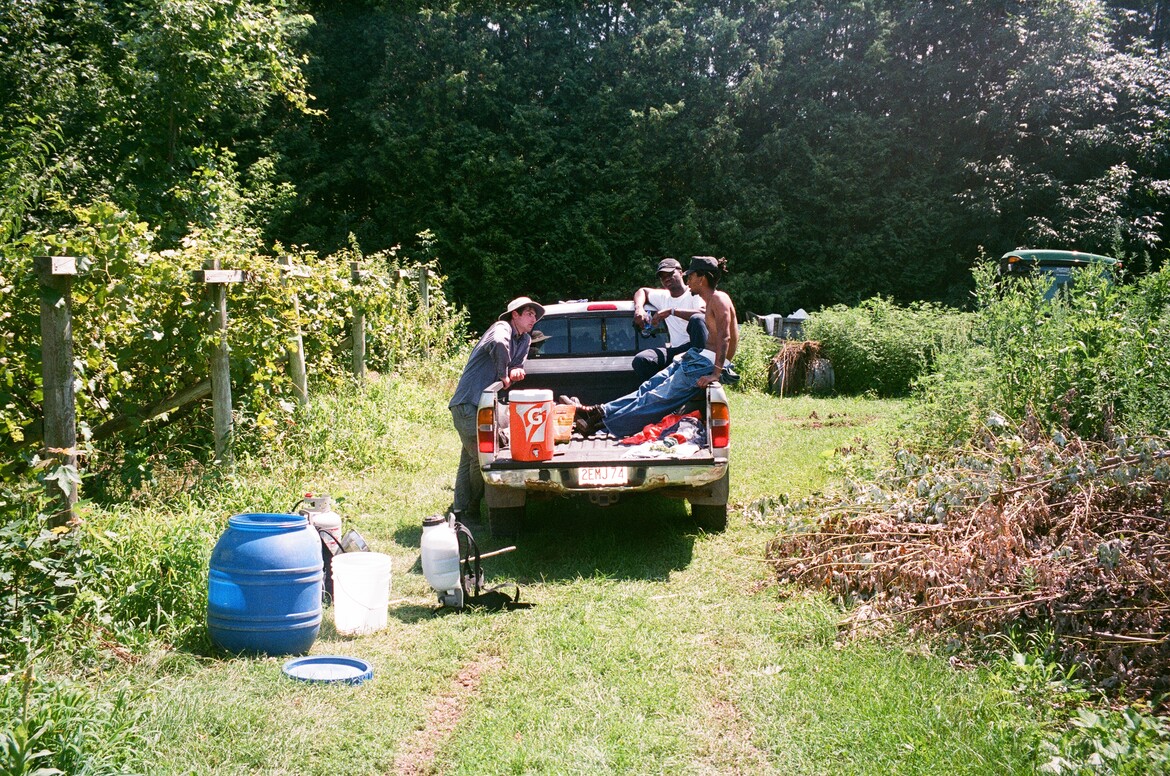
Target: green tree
pixel 143 102
pixel 831 150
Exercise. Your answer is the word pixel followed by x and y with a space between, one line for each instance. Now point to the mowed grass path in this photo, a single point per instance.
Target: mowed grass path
pixel 651 647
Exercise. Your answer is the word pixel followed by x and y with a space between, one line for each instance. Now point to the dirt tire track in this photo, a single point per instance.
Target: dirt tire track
pixel 731 749
pixel 443 715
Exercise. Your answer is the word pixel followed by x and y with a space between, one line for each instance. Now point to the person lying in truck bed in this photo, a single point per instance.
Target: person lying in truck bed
pixel 688 375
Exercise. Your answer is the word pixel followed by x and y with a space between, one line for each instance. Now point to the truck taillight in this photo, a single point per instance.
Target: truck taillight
pixel 485 430
pixel 720 425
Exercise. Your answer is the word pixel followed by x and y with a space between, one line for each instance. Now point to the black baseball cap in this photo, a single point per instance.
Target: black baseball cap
pixel 707 264
pixel 668 265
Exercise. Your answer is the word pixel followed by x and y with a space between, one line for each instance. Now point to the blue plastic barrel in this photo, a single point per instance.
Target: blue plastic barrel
pixel 264 585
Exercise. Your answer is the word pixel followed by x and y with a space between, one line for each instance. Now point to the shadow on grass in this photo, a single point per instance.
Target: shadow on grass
pixel 643 537
pixel 410 536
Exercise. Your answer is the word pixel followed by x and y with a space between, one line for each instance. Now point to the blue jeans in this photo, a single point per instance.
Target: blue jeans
pixel 651 361
pixel 468 478
pixel 659 396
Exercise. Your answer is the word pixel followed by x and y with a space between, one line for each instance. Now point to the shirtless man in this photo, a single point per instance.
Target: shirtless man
pixel 696 369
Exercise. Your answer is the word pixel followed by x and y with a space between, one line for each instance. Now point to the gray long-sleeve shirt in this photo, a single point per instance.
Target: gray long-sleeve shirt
pixel 499 350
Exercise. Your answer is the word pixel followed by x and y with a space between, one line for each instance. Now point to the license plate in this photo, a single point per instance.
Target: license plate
pixel 602 475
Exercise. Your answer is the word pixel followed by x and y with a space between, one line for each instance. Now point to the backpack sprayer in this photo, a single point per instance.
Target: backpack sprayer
pixel 452 565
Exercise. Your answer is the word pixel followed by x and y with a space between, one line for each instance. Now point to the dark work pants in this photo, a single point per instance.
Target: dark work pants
pixel 653 360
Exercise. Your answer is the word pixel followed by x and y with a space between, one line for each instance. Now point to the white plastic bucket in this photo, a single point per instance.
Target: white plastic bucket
pixel 361 592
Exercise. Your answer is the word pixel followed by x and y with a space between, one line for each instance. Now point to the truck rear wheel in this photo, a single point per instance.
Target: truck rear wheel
pixel 505 521
pixel 712 518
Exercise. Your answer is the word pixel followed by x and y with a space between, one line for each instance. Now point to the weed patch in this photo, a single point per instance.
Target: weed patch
pixel 883 347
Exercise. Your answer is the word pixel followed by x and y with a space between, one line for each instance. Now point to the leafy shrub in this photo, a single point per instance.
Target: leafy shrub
pixel 66 726
pixel 1125 742
pixel 1094 357
pixel 753 357
pixel 40 570
pixel 882 347
pixel 106 578
pixel 140 330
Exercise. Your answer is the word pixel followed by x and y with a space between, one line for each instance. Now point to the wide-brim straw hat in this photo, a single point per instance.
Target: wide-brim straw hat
pixel 519 302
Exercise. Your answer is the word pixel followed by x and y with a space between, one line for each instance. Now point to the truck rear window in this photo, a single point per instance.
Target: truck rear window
pixel 591 336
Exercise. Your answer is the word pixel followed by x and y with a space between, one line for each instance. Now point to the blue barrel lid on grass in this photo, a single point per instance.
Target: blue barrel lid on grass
pixel 336 669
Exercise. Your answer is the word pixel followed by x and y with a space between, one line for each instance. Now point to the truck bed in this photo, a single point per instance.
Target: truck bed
pixel 588 357
pixel 599 448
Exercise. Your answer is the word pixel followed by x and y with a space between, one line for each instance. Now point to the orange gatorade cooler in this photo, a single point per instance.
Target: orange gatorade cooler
pixel 531 422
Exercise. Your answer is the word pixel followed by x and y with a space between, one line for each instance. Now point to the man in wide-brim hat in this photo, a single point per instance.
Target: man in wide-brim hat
pixel 498 357
pixel 538 339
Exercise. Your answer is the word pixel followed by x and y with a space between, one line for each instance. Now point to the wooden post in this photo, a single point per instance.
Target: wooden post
pixel 296 342
pixel 424 301
pixel 55 275
pixel 359 323
pixel 216 280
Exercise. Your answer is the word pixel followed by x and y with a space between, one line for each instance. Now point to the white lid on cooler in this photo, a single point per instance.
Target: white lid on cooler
pixel 533 395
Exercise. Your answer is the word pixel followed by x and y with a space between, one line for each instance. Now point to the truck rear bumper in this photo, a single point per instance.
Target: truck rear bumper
pixel 639 476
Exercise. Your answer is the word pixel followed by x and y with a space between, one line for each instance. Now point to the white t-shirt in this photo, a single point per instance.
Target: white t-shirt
pixel 661 299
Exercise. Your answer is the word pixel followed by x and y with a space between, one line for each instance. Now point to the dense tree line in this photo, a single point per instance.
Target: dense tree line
pixel 832 151
pixel 147 103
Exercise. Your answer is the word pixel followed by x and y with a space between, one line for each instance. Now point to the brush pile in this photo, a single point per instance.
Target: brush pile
pixel 1032 530
pixel 799 367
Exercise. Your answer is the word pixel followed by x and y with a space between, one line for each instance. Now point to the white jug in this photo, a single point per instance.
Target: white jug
pixel 440 554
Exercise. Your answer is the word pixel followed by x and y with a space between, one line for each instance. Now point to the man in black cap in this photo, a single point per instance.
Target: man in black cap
pixel 688 375
pixel 498 356
pixel 679 308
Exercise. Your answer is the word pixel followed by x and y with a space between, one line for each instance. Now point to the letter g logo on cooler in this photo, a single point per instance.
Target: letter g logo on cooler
pixel 534 418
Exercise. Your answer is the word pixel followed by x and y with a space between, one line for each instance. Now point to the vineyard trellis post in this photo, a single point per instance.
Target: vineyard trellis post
pixel 424 291
pixel 55 276
pixel 356 274
pixel 217 280
pixel 296 344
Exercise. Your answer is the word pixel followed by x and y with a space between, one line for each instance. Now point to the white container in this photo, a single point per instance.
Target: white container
pixel 440 554
pixel 319 510
pixel 361 592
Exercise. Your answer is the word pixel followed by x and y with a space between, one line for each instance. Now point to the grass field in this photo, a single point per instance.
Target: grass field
pixel 651 646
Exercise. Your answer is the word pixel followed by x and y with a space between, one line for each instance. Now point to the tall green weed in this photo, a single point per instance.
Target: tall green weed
pixel 753 357
pixel 65 727
pixel 882 347
pixel 1090 360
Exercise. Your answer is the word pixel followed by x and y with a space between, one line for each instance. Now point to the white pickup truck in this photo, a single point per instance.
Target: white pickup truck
pixel 588 356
